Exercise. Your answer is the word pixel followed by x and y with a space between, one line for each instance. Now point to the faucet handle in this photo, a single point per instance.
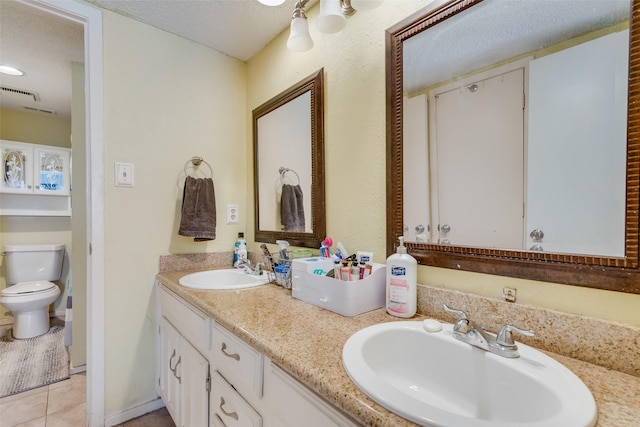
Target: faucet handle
pixel 461 314
pixel 505 337
pixel 463 325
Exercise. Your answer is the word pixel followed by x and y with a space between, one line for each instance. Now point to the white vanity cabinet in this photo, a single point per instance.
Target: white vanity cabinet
pixel 184 380
pixel 36 179
pixel 294 405
pixel 246 388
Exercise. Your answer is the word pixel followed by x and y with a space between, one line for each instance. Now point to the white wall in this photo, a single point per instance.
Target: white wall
pixel 166 99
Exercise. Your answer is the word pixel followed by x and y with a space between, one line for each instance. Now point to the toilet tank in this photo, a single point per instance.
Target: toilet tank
pixel 24 263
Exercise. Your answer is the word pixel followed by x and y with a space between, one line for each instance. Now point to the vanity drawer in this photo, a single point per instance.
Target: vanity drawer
pixel 228 408
pixel 194 325
pixel 237 362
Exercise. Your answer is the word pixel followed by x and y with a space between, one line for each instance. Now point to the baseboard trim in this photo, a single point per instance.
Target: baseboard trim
pixel 135 412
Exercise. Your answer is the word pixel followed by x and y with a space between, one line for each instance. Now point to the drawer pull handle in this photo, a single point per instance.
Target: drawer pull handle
pixel 233 415
pixel 233 356
pixel 173 369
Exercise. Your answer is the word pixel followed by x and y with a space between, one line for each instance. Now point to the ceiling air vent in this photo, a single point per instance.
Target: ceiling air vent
pixel 33 95
pixel 39 110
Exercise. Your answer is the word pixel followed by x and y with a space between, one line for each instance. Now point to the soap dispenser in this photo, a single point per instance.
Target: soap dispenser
pixel 402 296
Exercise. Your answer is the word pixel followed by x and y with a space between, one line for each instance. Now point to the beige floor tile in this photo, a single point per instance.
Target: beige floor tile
pixel 70 417
pixel 66 395
pixel 40 422
pixel 24 394
pixel 26 408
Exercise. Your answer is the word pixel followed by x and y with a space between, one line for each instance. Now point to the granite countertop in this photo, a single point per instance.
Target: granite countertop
pixel 307 341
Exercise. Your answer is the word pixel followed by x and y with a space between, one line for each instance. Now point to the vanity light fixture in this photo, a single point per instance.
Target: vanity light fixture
pixel 331 20
pixel 12 71
pixel 271 2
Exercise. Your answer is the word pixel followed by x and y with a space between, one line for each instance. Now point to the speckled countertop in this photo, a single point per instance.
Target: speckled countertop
pixel 307 342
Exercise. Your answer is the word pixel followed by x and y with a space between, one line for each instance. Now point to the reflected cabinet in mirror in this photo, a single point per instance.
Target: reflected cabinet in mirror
pixel 288 143
pixel 513 144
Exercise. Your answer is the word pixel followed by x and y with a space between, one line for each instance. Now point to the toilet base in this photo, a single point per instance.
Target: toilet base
pixel 30 324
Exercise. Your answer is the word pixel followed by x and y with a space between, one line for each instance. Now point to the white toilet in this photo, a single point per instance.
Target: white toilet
pixel 29 292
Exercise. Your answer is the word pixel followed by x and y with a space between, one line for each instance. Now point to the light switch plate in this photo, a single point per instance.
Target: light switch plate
pixel 124 174
pixel 233 214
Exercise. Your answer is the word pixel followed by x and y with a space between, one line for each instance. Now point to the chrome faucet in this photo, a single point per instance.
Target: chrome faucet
pixel 501 344
pixel 245 265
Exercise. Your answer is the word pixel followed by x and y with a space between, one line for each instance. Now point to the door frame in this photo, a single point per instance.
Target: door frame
pixel 91 19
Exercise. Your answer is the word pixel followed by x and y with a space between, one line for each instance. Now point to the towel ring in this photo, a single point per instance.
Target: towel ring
pixel 284 170
pixel 197 161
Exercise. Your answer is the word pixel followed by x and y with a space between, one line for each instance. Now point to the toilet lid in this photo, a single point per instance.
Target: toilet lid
pixel 23 288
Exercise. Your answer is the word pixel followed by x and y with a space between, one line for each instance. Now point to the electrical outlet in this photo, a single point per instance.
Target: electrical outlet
pixel 509 294
pixel 124 174
pixel 233 214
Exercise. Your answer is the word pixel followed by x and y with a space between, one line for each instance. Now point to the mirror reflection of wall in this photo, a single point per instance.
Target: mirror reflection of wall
pixel 288 143
pixel 285 142
pixel 545 173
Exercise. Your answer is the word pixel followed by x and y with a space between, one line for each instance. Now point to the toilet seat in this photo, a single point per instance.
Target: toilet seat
pixel 28 288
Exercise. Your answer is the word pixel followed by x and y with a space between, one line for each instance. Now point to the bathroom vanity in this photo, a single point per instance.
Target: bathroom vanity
pixel 209 376
pixel 272 360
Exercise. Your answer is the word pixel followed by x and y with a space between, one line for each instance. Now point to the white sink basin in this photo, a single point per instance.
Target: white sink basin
pixel 222 279
pixel 432 379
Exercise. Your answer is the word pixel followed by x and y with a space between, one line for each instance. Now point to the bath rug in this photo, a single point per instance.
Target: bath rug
pixel 32 362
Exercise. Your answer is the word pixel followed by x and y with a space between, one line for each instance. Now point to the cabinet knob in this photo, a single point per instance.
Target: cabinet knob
pixel 536 235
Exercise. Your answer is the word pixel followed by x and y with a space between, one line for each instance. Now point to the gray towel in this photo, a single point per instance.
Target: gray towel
pixel 291 208
pixel 198 209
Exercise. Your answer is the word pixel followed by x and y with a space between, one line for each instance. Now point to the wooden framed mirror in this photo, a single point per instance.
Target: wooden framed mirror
pixel 435 27
pixel 288 144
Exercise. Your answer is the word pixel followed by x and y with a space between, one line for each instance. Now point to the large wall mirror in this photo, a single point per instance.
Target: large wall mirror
pixel 513 144
pixel 288 142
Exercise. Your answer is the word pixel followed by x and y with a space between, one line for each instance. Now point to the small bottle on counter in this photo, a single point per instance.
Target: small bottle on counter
pixel 236 245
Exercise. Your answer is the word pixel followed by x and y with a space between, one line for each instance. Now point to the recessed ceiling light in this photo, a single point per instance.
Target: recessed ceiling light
pixel 5 69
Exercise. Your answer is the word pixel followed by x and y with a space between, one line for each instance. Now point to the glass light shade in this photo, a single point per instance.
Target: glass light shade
pixel 271 2
pixel 6 69
pixel 331 19
pixel 299 38
pixel 365 4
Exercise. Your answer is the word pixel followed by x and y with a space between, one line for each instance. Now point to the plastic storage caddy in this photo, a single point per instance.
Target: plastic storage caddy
pixel 342 297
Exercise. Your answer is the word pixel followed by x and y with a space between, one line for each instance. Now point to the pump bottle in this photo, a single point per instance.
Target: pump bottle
pixel 402 298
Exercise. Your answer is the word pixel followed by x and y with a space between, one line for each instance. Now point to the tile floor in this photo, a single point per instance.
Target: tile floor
pixel 62 404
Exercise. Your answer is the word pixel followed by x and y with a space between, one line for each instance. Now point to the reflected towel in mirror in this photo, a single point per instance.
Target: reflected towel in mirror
pixel 292 208
pixel 198 209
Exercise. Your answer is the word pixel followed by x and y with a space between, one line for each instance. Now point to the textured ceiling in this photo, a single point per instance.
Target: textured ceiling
pixel 44 45
pixel 239 28
pixel 493 31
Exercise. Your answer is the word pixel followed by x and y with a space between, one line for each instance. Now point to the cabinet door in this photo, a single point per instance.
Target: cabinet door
pixel 17 162
pixel 51 171
pixel 169 363
pixel 295 405
pixel 194 374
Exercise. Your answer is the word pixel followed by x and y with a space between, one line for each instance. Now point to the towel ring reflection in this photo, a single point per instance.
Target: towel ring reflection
pixel 283 172
pixel 197 161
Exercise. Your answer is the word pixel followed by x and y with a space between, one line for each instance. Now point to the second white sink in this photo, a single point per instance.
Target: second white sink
pixel 229 278
pixel 433 379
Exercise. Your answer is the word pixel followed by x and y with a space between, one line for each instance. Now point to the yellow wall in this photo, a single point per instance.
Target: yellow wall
pixel 35 128
pixel 354 62
pixel 166 99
